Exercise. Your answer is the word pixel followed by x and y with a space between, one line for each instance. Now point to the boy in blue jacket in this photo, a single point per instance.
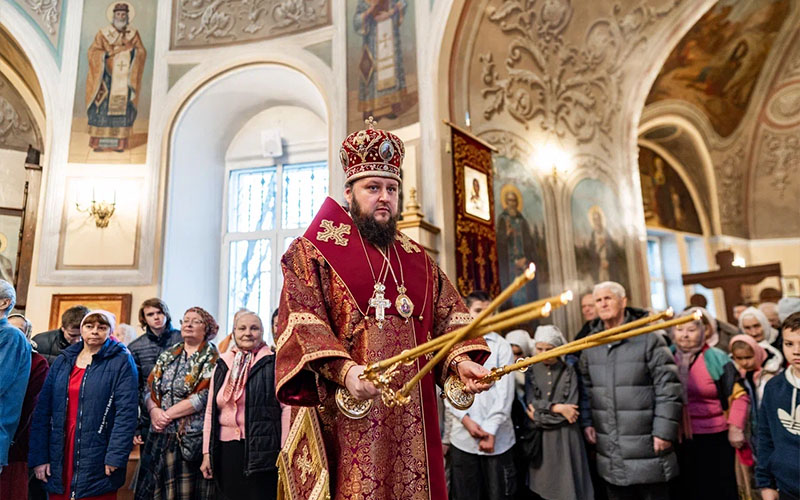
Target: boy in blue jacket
pixel 778 466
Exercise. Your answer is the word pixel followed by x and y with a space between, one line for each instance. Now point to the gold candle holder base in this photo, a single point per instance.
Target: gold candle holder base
pixel 455 392
pixel 351 407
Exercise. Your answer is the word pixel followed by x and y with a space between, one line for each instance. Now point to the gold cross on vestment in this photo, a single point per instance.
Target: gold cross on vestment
pixel 304 462
pixel 379 303
pixel 405 242
pixel 336 233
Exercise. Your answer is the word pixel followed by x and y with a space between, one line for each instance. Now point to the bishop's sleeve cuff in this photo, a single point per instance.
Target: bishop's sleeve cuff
pixel 336 369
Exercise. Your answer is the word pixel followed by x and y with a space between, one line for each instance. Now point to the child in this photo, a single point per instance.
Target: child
pixel 748 357
pixel 551 394
pixel 778 466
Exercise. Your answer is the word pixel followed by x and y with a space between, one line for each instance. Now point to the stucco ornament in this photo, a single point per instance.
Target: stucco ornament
pixel 779 159
pixel 569 89
pixel 215 22
pixel 730 183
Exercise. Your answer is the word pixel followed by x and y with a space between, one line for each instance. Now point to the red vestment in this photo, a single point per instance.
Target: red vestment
pixel 324 322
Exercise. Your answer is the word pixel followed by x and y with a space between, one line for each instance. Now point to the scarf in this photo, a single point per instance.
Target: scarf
pixel 239 372
pixel 198 378
pixel 759 352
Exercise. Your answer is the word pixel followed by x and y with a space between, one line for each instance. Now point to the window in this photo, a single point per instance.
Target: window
pixel 268 207
pixel 658 283
pixel 664 265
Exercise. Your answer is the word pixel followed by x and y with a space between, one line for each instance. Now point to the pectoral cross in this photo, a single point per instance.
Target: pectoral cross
pixel 379 303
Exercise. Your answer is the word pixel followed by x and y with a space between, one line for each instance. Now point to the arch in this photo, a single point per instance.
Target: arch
pixel 40 100
pixel 195 168
pixel 678 167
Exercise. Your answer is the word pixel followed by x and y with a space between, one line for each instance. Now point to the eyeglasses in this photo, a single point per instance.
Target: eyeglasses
pixel 194 322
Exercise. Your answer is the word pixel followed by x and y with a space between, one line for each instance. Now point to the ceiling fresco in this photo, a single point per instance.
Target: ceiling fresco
pixel 717 64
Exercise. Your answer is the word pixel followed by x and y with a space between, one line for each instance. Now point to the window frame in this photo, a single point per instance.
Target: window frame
pixel 316 153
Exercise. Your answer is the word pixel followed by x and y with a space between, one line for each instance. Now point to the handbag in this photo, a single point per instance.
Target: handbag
pixel 530 437
pixel 190 444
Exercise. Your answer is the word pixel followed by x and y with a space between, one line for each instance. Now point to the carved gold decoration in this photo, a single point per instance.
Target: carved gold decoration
pixel 569 89
pixel 335 233
pixel 198 23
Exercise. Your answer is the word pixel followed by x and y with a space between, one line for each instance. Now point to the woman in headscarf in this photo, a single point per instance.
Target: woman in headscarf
pixel 520 341
pixel 84 421
pixel 551 393
pixel 753 322
pixel 244 428
pixel 176 399
pixel 715 411
pixel 749 358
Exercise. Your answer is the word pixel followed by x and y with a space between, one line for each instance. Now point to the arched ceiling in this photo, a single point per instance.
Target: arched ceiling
pixel 735 78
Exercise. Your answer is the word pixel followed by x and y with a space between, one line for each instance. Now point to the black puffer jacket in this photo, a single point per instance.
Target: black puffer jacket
pixel 262 416
pixel 50 344
pixel 631 394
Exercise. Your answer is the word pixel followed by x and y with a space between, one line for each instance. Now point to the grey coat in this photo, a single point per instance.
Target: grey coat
pixel 631 394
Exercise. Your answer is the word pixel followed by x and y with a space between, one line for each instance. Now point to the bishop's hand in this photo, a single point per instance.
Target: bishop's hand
pixel 360 389
pixel 470 374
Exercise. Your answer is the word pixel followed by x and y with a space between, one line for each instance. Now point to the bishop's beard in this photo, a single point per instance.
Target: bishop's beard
pixel 380 234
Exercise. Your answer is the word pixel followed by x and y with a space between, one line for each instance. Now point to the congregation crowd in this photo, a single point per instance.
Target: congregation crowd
pixel 706 410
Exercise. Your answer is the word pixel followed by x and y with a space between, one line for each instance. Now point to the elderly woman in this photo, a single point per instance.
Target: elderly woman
pixel 715 411
pixel 551 393
pixel 84 421
pixel 243 428
pixel 176 399
pixel 753 322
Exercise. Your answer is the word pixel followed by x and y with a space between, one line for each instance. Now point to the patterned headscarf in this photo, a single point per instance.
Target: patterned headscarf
pixel 211 324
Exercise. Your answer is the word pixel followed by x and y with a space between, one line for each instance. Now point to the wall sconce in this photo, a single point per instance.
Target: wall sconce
pixel 100 211
pixel 553 161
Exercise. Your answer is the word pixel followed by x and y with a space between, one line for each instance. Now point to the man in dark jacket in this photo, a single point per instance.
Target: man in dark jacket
pixel 633 403
pixel 158 336
pixel 50 344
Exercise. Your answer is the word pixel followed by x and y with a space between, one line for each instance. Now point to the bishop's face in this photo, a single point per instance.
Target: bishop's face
pixel 376 197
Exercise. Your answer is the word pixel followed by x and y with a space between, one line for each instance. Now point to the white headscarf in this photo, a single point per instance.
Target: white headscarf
pixel 549 334
pixel 521 339
pixel 787 306
pixel 770 334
